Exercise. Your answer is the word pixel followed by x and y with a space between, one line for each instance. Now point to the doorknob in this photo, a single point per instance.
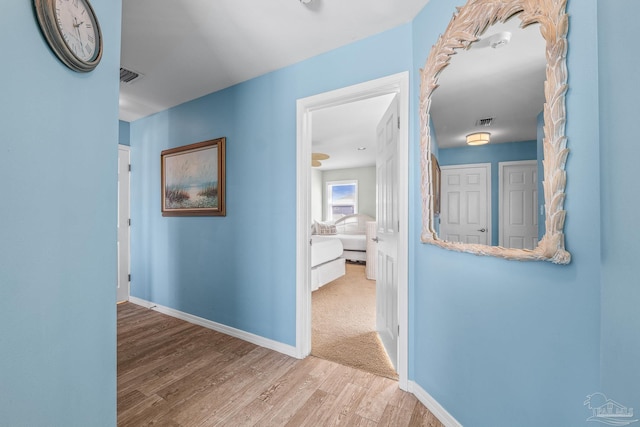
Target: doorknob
pixel 375 239
pixel 482 230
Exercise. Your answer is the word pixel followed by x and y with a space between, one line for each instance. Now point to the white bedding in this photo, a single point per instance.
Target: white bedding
pixel 325 249
pixel 351 232
pixel 351 242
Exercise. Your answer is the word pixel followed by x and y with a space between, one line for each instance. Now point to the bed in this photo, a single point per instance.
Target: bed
pixel 327 263
pixel 351 230
pixel 333 243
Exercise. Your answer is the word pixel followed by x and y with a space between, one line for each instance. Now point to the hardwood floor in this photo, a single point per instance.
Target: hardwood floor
pixel 173 373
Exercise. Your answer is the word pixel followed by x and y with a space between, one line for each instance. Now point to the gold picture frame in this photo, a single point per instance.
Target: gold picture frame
pixel 193 179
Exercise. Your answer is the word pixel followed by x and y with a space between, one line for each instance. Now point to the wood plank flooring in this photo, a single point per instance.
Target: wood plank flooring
pixel 176 374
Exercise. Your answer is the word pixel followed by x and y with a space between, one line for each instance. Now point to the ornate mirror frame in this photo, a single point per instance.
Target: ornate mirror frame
pixel 467 24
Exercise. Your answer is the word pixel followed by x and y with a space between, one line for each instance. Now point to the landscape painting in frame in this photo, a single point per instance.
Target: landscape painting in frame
pixel 193 179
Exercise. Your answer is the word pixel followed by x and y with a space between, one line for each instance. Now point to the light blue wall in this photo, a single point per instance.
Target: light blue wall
pixel 619 154
pixel 494 154
pixel 124 133
pixel 503 343
pixel 58 163
pixel 239 270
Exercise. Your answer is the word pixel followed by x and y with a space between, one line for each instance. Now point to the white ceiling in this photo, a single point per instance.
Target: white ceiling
pixel 506 83
pixel 186 49
pixel 189 48
pixel 345 130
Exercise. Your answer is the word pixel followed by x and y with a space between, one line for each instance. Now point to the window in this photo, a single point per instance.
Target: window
pixel 342 198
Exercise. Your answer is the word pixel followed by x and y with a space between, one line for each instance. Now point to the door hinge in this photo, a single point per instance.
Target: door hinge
pixel 129 277
pixel 398 329
pixel 129 222
pixel 129 167
pixel 398 122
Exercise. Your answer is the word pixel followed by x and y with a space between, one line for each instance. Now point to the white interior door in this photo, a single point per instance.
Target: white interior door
pixel 387 175
pixel 518 204
pixel 465 203
pixel 122 292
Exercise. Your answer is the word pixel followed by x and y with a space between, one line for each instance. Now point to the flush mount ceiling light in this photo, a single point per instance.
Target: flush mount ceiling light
pixel 478 138
pixel 305 1
pixel 362 148
pixel 316 157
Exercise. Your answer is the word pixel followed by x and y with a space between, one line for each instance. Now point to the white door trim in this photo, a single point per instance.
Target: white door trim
pixel 127 149
pixel 397 84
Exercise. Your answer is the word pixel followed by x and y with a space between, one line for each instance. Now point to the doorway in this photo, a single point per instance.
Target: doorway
pixel 354 317
pixel 396 84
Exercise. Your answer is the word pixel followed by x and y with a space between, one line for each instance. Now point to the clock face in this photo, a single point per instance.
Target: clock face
pixel 78 27
pixel 72 31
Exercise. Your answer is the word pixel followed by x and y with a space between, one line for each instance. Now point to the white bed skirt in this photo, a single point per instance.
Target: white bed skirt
pixel 324 249
pixel 327 272
pixel 354 255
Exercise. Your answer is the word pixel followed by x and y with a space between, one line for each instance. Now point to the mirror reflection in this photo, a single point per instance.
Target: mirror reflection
pixel 491 94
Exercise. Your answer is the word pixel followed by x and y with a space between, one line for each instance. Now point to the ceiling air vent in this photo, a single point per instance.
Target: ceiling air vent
pixel 485 122
pixel 128 76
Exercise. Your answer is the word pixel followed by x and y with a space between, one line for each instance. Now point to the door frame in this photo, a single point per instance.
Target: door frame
pixel 127 149
pixel 394 84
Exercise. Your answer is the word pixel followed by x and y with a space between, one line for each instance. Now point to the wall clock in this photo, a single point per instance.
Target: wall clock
pixel 72 31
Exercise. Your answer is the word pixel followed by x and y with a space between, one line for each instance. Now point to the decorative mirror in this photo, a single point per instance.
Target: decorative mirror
pixel 464 114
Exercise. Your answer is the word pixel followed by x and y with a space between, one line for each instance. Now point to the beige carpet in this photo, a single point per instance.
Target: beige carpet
pixel 344 323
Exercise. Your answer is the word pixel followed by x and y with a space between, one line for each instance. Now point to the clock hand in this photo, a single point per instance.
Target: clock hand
pixel 76 25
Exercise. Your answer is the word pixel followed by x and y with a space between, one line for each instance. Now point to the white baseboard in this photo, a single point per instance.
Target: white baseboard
pixel 237 333
pixel 432 405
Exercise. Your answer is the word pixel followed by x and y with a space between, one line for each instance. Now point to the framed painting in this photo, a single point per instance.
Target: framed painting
pixel 193 179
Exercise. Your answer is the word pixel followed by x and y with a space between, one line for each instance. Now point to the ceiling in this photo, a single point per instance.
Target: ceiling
pixel 504 83
pixel 185 49
pixel 347 132
pixel 188 49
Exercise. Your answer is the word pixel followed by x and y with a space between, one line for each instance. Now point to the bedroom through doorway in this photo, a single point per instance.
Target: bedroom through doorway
pixel 344 208
pixel 344 307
